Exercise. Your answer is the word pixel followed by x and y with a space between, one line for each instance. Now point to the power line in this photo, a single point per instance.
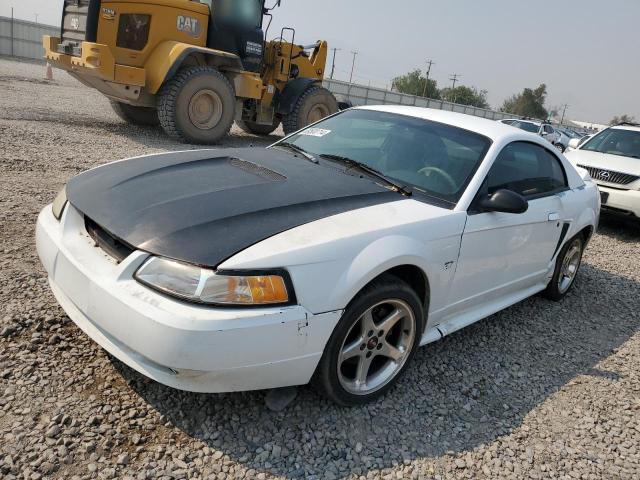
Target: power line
pixel 454 78
pixel 333 65
pixel 426 83
pixel 353 64
pixel 564 110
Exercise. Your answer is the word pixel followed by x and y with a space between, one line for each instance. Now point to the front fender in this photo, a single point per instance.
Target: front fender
pixel 378 257
pixel 167 58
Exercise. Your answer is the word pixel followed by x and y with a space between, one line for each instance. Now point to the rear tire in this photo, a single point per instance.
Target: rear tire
pixel 363 347
pixel 560 147
pixel 314 104
pixel 197 105
pixel 257 128
pixel 147 116
pixel 567 265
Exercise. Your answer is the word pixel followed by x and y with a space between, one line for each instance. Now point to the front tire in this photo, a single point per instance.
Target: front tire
pixel 567 265
pixel 147 116
pixel 560 147
pixel 372 344
pixel 314 104
pixel 197 105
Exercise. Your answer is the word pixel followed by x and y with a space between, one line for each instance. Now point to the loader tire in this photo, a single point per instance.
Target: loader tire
pixel 314 104
pixel 197 105
pixel 257 128
pixel 135 115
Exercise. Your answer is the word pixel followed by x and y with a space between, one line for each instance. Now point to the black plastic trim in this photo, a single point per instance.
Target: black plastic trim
pixel 93 16
pixel 563 234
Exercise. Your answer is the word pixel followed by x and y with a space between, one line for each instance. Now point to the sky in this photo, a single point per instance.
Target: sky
pixel 586 51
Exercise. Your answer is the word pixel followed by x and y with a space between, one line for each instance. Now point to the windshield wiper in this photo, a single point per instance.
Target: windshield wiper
pixel 370 170
pixel 297 149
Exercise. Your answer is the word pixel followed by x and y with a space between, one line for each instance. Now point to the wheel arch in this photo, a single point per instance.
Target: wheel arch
pixel 374 261
pixel 170 56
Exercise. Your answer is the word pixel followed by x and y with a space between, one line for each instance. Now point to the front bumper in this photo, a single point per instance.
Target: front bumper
pixel 623 202
pixel 185 346
pixel 96 67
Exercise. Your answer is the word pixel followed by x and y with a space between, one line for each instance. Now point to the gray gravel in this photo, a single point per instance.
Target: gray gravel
pixel 541 390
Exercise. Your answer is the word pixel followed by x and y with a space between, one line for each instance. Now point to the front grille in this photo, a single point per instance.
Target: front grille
pixel 108 243
pixel 79 23
pixel 609 176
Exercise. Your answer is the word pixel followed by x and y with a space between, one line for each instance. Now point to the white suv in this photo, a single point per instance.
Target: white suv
pixel 612 158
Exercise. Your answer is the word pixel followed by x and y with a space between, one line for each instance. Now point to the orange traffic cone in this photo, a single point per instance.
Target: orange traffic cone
pixel 49 74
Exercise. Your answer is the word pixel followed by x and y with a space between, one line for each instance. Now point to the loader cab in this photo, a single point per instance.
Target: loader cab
pixel 236 27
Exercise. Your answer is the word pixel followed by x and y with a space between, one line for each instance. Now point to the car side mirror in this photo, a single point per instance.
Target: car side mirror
pixel 503 200
pixel 574 143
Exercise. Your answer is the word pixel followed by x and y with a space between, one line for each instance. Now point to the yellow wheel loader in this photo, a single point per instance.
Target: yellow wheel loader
pixel 193 66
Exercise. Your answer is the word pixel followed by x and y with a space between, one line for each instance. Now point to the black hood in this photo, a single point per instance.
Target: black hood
pixel 203 206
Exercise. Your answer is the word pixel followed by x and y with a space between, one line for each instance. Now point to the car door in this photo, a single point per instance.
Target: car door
pixel 505 253
pixel 549 133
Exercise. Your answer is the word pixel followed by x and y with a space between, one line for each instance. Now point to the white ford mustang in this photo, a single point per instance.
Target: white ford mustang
pixel 329 256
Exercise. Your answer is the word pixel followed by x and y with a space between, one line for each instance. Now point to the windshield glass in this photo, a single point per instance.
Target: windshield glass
pixel 615 141
pixel 527 126
pixel 435 158
pixel 246 13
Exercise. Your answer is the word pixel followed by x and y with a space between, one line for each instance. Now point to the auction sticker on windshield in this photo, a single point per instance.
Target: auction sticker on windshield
pixel 315 132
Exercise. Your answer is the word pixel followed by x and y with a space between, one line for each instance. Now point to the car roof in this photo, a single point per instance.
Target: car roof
pixel 635 128
pixel 483 126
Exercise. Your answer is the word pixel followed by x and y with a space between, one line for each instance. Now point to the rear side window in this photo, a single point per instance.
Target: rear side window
pixel 528 169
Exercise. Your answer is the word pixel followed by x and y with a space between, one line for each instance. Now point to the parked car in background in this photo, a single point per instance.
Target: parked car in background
pixel 544 129
pixel 329 256
pixel 612 158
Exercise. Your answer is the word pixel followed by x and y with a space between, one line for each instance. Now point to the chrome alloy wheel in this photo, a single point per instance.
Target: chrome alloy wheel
pixel 570 265
pixel 376 347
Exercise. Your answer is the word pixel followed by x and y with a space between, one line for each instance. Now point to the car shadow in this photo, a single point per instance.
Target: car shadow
pixel 466 390
pixel 622 228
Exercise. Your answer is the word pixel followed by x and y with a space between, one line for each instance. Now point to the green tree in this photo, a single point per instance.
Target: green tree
pixel 413 83
pixel 529 103
pixel 622 119
pixel 466 96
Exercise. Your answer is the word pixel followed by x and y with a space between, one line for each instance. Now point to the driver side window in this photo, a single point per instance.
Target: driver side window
pixel 527 169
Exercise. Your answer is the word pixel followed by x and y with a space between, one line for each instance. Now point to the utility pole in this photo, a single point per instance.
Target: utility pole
pixel 12 31
pixel 564 110
pixel 454 78
pixel 353 64
pixel 426 84
pixel 333 64
pixel 36 18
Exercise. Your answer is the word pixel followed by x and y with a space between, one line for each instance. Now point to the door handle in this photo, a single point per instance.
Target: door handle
pixel 554 216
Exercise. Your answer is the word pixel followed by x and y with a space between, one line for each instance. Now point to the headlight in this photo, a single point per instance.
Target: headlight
pixel 59 203
pixel 203 285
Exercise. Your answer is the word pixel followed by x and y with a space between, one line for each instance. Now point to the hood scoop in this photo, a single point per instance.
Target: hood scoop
pixel 256 169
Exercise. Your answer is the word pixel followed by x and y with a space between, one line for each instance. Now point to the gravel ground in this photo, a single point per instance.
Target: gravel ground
pixel 540 390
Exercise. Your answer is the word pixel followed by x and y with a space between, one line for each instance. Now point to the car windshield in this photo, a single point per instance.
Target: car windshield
pixel 432 157
pixel 615 141
pixel 527 126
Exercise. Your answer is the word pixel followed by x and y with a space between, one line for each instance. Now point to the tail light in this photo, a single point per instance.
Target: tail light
pixel 133 31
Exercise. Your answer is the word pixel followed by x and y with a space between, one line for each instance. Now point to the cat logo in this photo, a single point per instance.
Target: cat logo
pixel 108 13
pixel 75 23
pixel 188 25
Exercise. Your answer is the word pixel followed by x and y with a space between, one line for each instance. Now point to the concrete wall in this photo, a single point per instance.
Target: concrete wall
pixel 23 38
